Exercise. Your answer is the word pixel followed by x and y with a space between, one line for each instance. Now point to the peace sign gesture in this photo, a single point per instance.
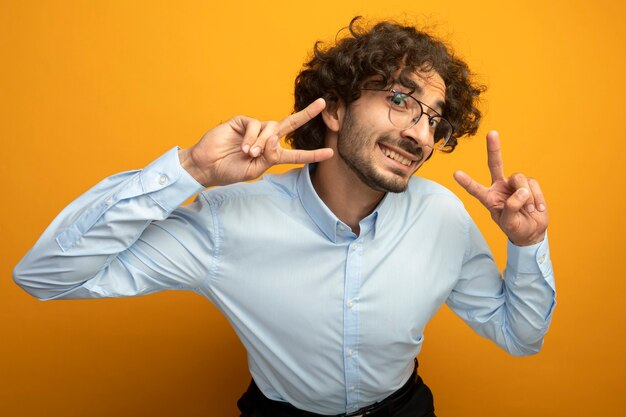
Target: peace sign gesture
pixel 243 148
pixel 516 203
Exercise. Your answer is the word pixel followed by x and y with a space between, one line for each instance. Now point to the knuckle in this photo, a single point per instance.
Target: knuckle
pixel 513 203
pixel 272 157
pixel 293 125
pixel 518 177
pixel 472 187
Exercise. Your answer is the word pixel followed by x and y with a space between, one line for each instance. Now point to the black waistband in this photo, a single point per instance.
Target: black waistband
pixel 254 399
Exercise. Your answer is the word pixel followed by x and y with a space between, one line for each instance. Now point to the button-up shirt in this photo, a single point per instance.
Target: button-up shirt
pixel 331 320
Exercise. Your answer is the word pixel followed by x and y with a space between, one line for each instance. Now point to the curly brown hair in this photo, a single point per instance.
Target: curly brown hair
pixel 379 57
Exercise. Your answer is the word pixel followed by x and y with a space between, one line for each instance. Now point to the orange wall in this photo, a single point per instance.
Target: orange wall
pixel 90 88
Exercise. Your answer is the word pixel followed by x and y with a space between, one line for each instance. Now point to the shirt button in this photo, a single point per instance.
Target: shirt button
pixel 108 201
pixel 352 388
pixel 162 179
pixel 542 259
pixel 350 304
pixel 355 246
pixel 350 353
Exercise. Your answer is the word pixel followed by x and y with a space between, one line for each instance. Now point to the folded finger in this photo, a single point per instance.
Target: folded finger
pixel 252 128
pixel 537 194
pixel 513 205
pixel 268 130
pixel 519 181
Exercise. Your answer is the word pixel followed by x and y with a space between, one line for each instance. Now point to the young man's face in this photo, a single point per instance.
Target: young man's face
pixel 381 154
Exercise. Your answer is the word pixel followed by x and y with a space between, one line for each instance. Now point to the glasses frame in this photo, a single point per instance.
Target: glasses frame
pixel 416 120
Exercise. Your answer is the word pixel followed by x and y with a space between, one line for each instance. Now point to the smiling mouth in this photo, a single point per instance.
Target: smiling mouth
pixel 399 158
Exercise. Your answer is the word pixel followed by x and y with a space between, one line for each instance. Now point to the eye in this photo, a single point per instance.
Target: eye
pixel 433 122
pixel 399 100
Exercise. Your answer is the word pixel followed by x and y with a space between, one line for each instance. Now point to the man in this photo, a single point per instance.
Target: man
pixel 328 273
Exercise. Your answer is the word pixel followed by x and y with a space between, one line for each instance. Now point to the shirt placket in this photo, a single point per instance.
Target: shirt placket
pixel 351 324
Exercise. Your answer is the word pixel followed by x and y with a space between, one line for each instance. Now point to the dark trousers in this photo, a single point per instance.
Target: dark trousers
pixel 419 404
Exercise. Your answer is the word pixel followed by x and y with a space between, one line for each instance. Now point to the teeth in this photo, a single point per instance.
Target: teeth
pixel 393 155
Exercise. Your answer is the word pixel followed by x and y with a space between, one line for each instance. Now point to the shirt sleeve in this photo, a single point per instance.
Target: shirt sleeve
pixel 126 236
pixel 514 311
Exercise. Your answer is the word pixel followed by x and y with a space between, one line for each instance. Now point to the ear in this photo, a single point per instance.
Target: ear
pixel 333 115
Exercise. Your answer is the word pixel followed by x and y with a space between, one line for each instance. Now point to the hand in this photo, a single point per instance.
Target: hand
pixel 516 203
pixel 243 148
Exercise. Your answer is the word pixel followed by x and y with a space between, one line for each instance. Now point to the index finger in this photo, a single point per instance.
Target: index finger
pixel 494 156
pixel 298 156
pixel 296 120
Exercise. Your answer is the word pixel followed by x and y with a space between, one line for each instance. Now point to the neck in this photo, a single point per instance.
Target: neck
pixel 343 192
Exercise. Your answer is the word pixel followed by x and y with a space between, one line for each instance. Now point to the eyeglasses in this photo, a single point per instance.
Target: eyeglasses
pixel 405 111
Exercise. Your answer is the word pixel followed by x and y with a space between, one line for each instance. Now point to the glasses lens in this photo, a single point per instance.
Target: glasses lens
pixel 443 132
pixel 403 110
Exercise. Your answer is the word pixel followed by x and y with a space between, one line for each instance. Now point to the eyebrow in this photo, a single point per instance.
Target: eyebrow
pixel 438 104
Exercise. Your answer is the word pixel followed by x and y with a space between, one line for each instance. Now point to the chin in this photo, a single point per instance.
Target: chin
pixel 391 183
pixel 395 186
pixel 377 176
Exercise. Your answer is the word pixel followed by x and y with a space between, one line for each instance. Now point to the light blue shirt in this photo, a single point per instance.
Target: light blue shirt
pixel 331 320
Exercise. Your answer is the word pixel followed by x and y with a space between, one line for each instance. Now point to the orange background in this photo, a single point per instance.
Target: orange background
pixel 90 88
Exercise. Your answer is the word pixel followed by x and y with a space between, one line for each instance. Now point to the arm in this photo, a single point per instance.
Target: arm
pixel 85 252
pixel 127 236
pixel 514 312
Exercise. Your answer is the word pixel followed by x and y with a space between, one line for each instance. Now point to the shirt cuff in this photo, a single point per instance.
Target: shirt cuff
pixel 530 259
pixel 167 182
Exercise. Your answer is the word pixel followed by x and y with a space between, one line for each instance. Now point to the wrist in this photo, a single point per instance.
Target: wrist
pixel 187 162
pixel 529 242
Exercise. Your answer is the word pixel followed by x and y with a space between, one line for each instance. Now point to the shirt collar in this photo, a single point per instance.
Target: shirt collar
pixel 333 228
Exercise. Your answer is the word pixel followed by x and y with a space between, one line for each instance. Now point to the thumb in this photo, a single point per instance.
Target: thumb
pixel 515 203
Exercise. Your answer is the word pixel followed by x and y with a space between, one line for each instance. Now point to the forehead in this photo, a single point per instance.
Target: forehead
pixel 430 88
pixel 430 80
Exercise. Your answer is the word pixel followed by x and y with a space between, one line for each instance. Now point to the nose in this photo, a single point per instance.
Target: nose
pixel 420 132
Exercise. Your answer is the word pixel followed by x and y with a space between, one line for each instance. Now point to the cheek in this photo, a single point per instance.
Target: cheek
pixel 381 124
pixel 371 118
pixel 363 128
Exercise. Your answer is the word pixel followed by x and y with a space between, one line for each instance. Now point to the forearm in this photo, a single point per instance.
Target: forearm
pixel 530 294
pixel 92 232
pixel 515 312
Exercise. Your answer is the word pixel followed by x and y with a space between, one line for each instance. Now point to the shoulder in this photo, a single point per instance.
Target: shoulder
pixel 268 187
pixel 426 196
pixel 424 188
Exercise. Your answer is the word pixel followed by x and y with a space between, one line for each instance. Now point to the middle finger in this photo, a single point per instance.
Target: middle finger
pixel 296 120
